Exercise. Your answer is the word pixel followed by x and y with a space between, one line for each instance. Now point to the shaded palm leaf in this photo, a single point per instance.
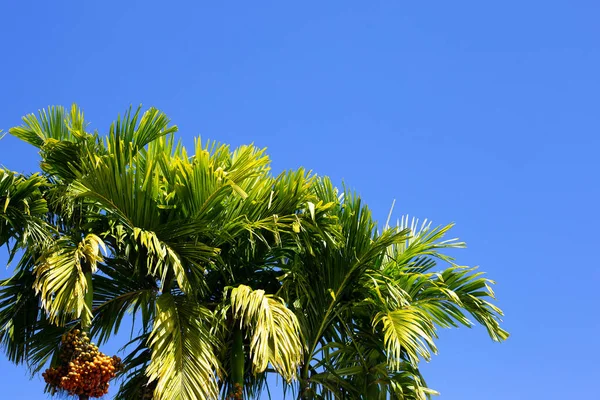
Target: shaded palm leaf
pixel 18 313
pixel 118 293
pixel 22 209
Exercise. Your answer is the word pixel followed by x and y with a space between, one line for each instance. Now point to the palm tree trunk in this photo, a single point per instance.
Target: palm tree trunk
pixel 304 390
pixel 86 320
pixel 304 384
pixel 237 364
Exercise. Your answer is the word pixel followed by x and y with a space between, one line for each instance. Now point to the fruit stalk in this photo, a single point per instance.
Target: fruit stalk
pixel 86 318
pixel 237 363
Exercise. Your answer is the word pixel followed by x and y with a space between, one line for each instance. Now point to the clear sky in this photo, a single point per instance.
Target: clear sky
pixel 483 113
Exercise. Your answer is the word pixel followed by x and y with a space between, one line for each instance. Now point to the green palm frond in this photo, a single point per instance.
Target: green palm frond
pixel 43 345
pixel 61 138
pixel 162 259
pixel 445 295
pixel 104 179
pixel 61 277
pixel 422 248
pixel 135 386
pixel 406 329
pixel 273 330
pixel 474 294
pixel 135 383
pixel 204 180
pixel 18 314
pixel 329 278
pixel 49 124
pixel 131 133
pixel 26 334
pixel 118 293
pixel 183 351
pixel 409 384
pixel 337 383
pixel 22 209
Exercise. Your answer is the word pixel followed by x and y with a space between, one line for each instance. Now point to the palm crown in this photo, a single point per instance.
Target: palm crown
pixel 233 272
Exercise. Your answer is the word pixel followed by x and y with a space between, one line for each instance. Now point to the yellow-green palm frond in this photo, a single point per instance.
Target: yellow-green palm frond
pixel 131 133
pixel 162 258
pixel 406 329
pixel 50 124
pixel 445 296
pixel 183 363
pixel 273 330
pixel 61 277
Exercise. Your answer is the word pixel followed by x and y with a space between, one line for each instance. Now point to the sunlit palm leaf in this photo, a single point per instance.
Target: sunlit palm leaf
pixel 183 358
pixel 273 330
pixel 49 124
pixel 61 280
pixel 444 296
pixel 131 133
pixel 406 329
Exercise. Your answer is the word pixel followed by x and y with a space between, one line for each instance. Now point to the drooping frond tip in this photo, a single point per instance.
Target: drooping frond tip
pixel 273 330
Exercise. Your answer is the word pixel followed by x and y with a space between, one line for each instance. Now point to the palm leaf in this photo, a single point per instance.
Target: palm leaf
pixel 61 280
pixel 22 209
pixel 406 329
pixel 273 330
pixel 183 358
pixel 18 314
pixel 49 124
pixel 119 292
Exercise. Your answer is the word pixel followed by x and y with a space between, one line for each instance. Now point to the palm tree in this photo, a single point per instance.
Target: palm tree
pixel 191 244
pixel 230 273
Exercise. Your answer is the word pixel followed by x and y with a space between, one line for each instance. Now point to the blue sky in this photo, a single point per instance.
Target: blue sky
pixel 481 113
